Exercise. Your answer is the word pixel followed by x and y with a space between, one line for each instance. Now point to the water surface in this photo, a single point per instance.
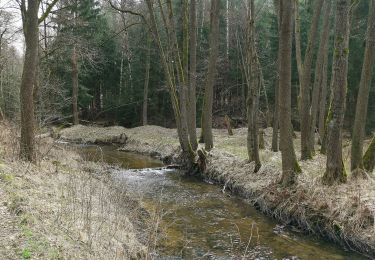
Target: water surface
pixel 201 222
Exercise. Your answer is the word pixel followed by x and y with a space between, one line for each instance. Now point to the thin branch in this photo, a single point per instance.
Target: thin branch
pixel 48 10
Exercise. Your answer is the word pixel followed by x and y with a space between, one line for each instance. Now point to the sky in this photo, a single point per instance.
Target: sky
pixel 16 25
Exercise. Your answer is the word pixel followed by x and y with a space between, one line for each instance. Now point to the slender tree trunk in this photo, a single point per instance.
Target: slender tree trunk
pixel 290 165
pixel 193 76
pixel 369 157
pixel 254 84
pixel 147 79
pixel 319 70
pixel 306 82
pixel 30 25
pixel 211 74
pixel 323 97
pixel 335 171
pixel 169 76
pixel 297 38
pixel 275 123
pixel 363 93
pixel 75 86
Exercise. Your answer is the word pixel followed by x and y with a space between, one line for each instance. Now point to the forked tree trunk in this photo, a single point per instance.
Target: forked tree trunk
pixel 306 82
pixel 75 86
pixel 168 71
pixel 275 123
pixel 290 166
pixel 31 31
pixel 319 70
pixel 147 79
pixel 192 113
pixel 363 92
pixel 335 171
pixel 211 74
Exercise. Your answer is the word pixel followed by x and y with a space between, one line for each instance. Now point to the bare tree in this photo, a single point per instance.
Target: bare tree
pixel 290 165
pixel 30 22
pixel 363 92
pixel 305 82
pixel 335 171
pixel 275 123
pixel 253 78
pixel 320 70
pixel 211 74
pixel 147 79
pixel 192 114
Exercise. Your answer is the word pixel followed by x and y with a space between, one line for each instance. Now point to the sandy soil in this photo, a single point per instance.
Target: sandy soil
pixel 344 213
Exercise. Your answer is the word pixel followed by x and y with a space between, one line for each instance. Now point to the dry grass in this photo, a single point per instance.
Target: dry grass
pixel 64 207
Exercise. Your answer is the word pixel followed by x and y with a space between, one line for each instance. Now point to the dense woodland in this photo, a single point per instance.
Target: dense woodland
pixel 304 66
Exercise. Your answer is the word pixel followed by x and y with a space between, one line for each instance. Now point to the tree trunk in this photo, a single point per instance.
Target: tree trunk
pixel 211 74
pixel 254 83
pixel 290 165
pixel 192 113
pixel 319 70
pixel 169 76
pixel 323 97
pixel 31 31
pixel 147 79
pixel 363 92
pixel 335 171
pixel 369 157
pixel 75 86
pixel 275 123
pixel 306 81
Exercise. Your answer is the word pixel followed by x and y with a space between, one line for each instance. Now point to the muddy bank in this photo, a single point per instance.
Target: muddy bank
pixel 343 213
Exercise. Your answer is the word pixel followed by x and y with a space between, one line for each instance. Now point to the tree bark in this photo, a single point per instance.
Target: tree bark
pixel 275 123
pixel 369 157
pixel 335 171
pixel 306 82
pixel 323 98
pixel 254 83
pixel 290 166
pixel 363 92
pixel 319 70
pixel 193 76
pixel 31 31
pixel 75 86
pixel 147 79
pixel 168 69
pixel 211 74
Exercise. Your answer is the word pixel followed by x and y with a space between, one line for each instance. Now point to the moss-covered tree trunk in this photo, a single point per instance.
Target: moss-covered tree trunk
pixel 74 86
pixel 290 166
pixel 363 92
pixel 335 171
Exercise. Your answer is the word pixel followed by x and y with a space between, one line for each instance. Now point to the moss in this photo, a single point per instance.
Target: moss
pixel 7 178
pixel 297 168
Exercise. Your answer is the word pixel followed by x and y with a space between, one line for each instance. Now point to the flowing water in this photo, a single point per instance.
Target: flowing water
pixel 201 222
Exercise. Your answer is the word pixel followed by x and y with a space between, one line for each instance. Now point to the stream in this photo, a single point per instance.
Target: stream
pixel 202 222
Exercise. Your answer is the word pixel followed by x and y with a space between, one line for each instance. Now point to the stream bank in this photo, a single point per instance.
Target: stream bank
pixel 342 213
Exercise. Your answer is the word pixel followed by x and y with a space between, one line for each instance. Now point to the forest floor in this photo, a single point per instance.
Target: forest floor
pixel 342 213
pixel 63 207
